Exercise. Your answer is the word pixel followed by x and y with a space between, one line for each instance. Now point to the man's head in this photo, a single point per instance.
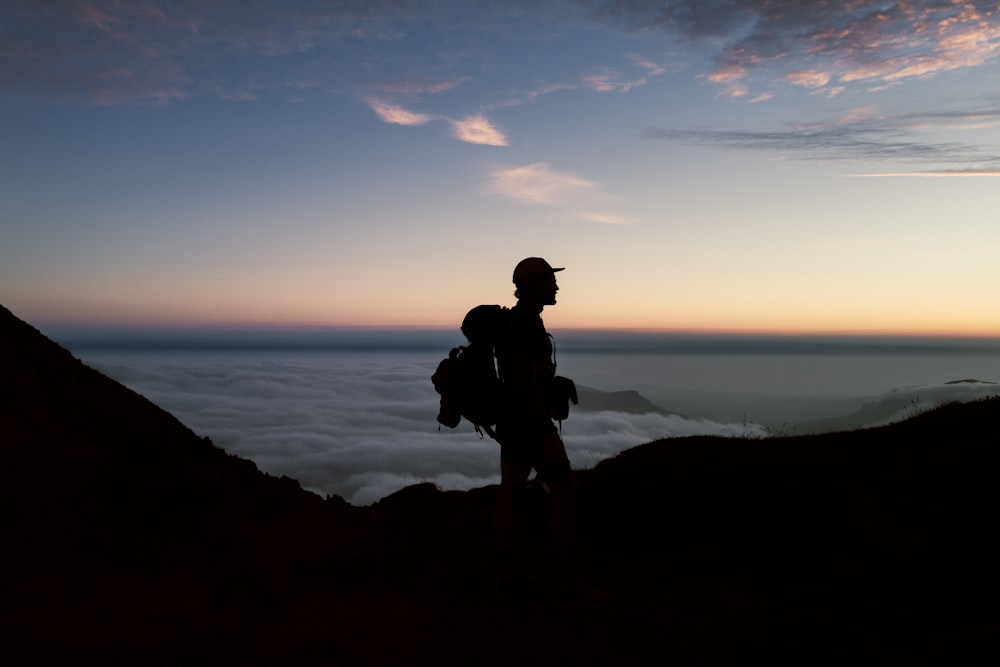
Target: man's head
pixel 536 281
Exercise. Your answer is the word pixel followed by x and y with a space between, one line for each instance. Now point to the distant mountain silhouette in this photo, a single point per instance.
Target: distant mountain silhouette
pixel 628 401
pixel 889 407
pixel 128 539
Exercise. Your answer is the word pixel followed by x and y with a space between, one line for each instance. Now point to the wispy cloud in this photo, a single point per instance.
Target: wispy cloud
pixel 532 95
pixel 605 219
pixel 478 130
pixel 397 115
pixel 865 136
pixel 808 79
pixel 609 80
pixel 731 79
pixel 652 68
pixel 114 52
pixel 538 184
pixel 957 173
pixel 110 51
pixel 861 41
pixel 604 80
pixel 410 84
pixel 570 196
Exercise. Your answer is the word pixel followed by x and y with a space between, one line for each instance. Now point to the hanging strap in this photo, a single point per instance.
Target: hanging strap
pixel 487 430
pixel 552 342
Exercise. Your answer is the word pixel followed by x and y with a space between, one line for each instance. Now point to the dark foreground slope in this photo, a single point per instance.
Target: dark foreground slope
pixel 128 539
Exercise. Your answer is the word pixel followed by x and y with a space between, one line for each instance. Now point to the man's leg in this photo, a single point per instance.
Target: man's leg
pixel 505 509
pixel 513 477
pixel 558 477
pixel 564 582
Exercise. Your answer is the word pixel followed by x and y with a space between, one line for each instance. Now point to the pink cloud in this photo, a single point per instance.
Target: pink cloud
pixel 397 115
pixel 415 86
pixel 609 81
pixel 538 184
pixel 808 79
pixel 728 74
pixel 652 68
pixel 478 130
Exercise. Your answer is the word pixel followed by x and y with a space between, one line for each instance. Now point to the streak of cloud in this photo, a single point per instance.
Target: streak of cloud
pixel 605 219
pixel 571 196
pixel 611 81
pixel 397 115
pixel 808 79
pixel 411 85
pixel 958 173
pixel 538 184
pixel 474 129
pixel 863 135
pixel 652 68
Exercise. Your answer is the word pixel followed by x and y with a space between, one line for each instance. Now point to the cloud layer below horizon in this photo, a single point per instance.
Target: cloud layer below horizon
pixel 360 430
pixel 364 428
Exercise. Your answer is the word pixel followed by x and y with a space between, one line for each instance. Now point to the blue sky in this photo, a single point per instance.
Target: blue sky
pixel 742 165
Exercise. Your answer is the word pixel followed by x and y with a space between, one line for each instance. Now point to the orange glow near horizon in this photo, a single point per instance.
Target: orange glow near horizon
pixel 585 302
pixel 553 318
pixel 813 194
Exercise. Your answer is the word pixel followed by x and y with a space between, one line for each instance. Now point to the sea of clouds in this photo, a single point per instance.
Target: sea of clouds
pixel 362 425
pixel 360 429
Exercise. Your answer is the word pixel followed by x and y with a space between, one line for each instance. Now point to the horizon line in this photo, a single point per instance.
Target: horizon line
pixel 217 328
pixel 104 335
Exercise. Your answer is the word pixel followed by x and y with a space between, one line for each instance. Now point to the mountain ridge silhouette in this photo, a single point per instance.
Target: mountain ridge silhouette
pixel 130 539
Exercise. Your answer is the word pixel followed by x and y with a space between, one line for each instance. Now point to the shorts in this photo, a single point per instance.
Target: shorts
pixel 520 446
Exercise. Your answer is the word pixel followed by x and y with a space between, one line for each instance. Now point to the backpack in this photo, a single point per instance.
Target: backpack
pixel 467 380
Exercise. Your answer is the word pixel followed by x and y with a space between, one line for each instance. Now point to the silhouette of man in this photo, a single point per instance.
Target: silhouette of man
pixel 527 435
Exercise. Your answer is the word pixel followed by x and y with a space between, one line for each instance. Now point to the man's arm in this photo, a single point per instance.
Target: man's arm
pixel 521 375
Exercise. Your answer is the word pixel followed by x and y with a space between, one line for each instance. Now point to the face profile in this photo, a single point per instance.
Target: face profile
pixel 547 290
pixel 536 281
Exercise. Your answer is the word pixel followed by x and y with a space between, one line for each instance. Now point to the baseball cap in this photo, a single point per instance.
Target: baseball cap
pixel 530 269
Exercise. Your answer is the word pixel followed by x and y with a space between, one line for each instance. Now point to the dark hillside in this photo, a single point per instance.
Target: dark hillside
pixel 881 540
pixel 121 526
pixel 128 539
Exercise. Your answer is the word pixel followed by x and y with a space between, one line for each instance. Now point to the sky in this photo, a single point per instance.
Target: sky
pixel 739 165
